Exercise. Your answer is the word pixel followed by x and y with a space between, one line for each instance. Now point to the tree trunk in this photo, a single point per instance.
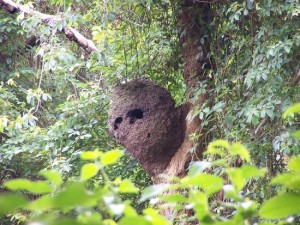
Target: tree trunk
pixel 193 20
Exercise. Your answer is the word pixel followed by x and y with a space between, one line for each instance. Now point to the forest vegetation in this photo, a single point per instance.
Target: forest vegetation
pixel 233 67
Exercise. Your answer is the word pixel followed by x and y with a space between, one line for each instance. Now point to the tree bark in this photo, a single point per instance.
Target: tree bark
pixel 193 20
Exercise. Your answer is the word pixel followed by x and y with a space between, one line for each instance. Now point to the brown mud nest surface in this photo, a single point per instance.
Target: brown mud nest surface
pixel 144 119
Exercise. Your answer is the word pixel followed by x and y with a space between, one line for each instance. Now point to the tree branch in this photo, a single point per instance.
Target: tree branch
pixel 296 78
pixel 71 33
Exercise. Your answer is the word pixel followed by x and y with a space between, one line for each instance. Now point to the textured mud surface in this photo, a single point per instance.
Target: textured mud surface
pixel 143 118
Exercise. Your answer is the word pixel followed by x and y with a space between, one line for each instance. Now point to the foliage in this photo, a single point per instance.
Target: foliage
pixel 76 202
pixel 54 98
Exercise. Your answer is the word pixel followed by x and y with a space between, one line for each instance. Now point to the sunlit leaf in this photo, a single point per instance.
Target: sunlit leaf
pixel 52 176
pixel 292 110
pixel 66 199
pixel 239 149
pixel 134 220
pixel 239 176
pixel 177 198
pixel 43 203
pixel 11 202
pixel 296 134
pixel 294 163
pixel 88 171
pixel 36 187
pixel 127 186
pixel 209 183
pixel 155 218
pixel 91 155
pixel 199 201
pixel 111 157
pixel 281 206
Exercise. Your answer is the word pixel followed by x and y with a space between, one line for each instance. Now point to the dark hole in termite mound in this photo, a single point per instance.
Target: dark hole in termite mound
pixel 118 120
pixel 148 135
pixel 134 115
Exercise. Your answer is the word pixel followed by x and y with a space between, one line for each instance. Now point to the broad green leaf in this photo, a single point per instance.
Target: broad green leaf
pixel 200 202
pixel 155 218
pixel 153 191
pixel 109 222
pixel 91 155
pixel 239 149
pixel 239 176
pixel 88 171
pixel 288 180
pixel 296 134
pixel 52 176
pixel 281 206
pixel 282 178
pixel 129 211
pixel 35 187
pixel 177 198
pixel 251 171
pixel 292 110
pixel 75 195
pixel 139 220
pixel 11 202
pixel 90 218
pixel 294 164
pixel 127 187
pixel 111 157
pixel 43 203
pixel 219 143
pixel 209 183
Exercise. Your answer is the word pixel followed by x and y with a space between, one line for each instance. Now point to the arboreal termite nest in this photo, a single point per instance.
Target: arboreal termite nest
pixel 143 118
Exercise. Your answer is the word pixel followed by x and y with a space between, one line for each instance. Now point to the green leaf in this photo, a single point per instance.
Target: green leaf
pixel 75 195
pixel 282 178
pixel 134 220
pixel 296 134
pixel 127 187
pixel 288 180
pixel 155 218
pixel 52 176
pixel 88 171
pixel 43 203
pixel 153 191
pixel 177 198
pixel 219 143
pixel 11 202
pixel 209 183
pixel 200 201
pixel 239 149
pixel 215 147
pixel 91 155
pixel 35 187
pixel 111 157
pixel 294 164
pixel 292 110
pixel 281 206
pixel 239 176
